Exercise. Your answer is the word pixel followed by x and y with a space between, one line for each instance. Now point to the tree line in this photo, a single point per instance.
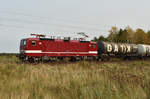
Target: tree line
pixel 127 35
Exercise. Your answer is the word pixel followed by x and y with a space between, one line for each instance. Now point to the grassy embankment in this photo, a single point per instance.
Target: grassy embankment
pixel 80 80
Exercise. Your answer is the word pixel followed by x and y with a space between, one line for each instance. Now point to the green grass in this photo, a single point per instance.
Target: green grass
pixel 80 80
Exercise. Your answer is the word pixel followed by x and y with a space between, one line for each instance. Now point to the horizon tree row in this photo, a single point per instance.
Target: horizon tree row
pixel 127 35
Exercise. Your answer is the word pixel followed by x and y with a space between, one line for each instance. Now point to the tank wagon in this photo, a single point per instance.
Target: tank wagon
pixel 41 48
pixel 122 50
pixel 108 49
pixel 143 50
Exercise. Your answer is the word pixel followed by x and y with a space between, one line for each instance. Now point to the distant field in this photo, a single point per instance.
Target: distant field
pixel 79 80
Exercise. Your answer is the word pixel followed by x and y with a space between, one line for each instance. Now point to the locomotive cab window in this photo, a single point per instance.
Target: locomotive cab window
pixel 21 42
pixel 33 43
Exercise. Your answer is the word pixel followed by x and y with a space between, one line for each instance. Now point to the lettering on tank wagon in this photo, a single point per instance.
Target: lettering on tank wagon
pixel 128 49
pixel 124 48
pixel 116 48
pixel 109 48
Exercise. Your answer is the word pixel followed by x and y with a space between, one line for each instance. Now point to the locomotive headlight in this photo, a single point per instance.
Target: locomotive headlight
pixel 22 51
pixel 40 43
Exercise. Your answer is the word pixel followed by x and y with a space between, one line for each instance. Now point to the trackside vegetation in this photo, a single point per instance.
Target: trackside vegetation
pixel 79 80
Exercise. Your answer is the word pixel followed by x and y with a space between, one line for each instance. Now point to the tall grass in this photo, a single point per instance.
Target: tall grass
pixel 80 80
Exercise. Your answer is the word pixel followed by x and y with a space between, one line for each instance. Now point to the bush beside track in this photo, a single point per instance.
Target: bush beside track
pixel 117 79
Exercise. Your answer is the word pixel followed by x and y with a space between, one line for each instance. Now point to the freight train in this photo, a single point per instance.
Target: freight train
pixel 41 49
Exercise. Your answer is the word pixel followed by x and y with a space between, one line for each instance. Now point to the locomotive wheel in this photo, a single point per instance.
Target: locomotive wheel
pixel 61 58
pixel 73 59
pixel 108 58
pixel 144 58
pixel 31 60
pixel 101 58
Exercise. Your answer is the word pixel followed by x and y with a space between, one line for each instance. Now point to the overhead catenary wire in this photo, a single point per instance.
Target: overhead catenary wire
pixel 47 25
pixel 51 24
pixel 49 18
pixel 34 30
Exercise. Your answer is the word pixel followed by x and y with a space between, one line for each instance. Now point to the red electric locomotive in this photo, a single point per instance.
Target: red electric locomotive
pixel 41 48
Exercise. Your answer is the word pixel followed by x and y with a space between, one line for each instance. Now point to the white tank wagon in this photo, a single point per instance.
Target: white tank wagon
pixel 117 49
pixel 143 50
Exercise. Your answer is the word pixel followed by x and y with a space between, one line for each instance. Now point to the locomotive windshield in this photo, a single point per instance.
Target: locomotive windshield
pixel 23 42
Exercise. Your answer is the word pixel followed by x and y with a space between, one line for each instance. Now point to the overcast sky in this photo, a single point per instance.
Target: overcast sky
pixel 20 18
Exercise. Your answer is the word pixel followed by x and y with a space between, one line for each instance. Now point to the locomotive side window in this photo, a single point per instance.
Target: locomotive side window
pixel 94 45
pixel 33 43
pixel 24 42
